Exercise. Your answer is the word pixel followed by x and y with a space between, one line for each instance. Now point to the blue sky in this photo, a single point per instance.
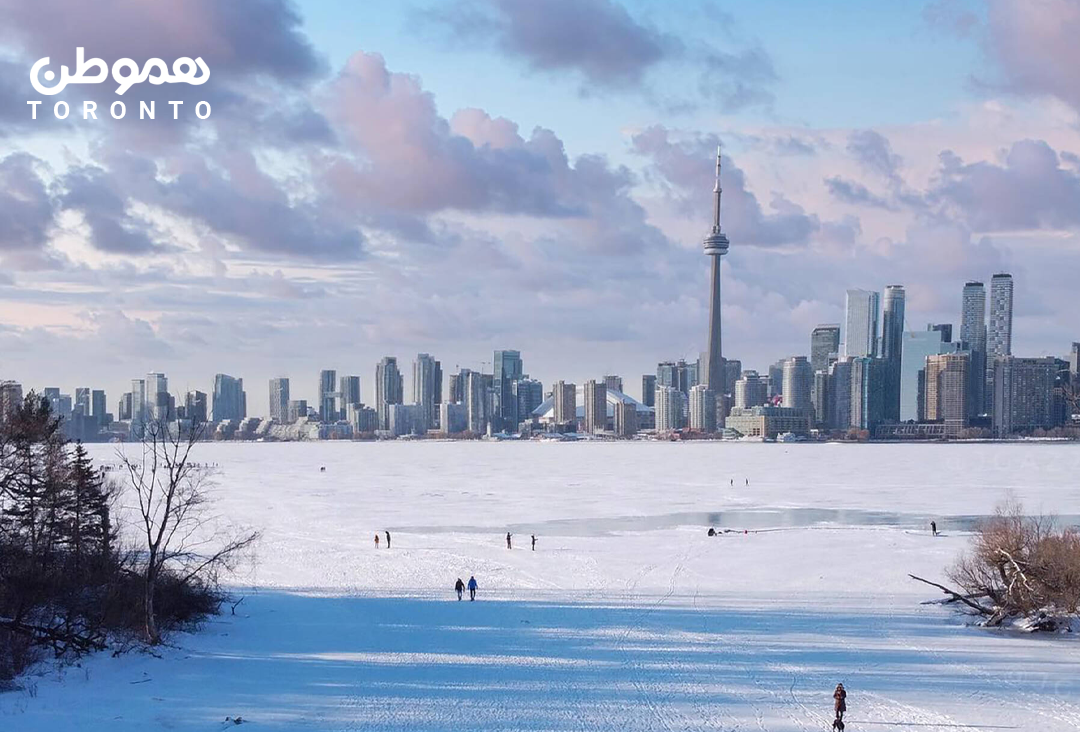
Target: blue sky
pixel 391 178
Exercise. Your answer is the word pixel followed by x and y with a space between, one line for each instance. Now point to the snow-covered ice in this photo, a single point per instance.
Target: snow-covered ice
pixel 627 617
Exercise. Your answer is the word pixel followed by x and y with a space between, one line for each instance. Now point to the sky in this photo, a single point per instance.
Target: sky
pixel 389 178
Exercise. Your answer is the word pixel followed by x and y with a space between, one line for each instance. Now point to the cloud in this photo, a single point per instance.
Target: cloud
pixel 874 153
pixel 27 210
pixel 407 159
pixel 1029 189
pixel 855 193
pixel 93 192
pixel 685 165
pixel 598 39
pixel 608 50
pixel 1033 43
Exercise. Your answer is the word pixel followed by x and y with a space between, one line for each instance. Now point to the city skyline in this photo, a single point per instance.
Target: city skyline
pixel 389 204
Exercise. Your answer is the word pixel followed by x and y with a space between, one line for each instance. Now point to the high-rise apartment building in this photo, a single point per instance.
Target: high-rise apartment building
pixel 98 407
pixel 279 400
pixel 824 346
pixel 702 409
pixel 626 419
pixel 328 410
pixel 751 390
pixel 798 383
pixel 388 389
pixel 613 383
pixel 1024 394
pixel 892 345
pixel 530 395
pixel 349 392
pixel 839 396
pixel 11 398
pixel 196 406
pixel 425 372
pixel 298 410
pixel 668 409
pixel 999 329
pixel 476 403
pixel 230 401
pixel 564 396
pixel 648 390
pixel 507 368
pixel 973 340
pixel 862 308
pixel 595 406
pixel 947 390
pixel 918 346
pixel 679 374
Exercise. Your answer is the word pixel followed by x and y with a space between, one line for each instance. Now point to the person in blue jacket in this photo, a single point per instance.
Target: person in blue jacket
pixel 472 588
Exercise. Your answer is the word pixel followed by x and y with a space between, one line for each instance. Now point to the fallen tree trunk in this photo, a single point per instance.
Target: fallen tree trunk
pixel 957 597
pixel 60 640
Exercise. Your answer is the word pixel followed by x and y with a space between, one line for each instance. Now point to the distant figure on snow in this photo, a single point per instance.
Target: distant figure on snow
pixel 322 469
pixel 508 544
pixel 534 542
pixel 748 481
pixel 712 531
pixel 840 702
pixel 376 541
pixel 472 588
pixel 459 587
pixel 933 528
pixel 387 539
pixel 732 482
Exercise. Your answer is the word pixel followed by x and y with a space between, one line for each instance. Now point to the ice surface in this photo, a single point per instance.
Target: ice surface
pixel 627 617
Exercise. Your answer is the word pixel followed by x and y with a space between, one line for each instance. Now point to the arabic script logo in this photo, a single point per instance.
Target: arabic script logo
pixel 125 72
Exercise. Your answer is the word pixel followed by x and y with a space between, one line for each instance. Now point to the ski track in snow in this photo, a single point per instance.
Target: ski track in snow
pixel 653 630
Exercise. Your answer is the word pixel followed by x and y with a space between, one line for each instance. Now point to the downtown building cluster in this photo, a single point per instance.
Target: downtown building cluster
pixel 870 379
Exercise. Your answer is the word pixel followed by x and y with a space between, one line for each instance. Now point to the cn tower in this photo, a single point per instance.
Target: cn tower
pixel 716 245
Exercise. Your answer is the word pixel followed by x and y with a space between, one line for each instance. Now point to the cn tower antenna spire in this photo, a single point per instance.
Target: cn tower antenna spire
pixel 717 189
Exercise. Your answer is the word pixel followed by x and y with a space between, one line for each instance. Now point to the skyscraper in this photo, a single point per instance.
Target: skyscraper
pixel 1024 394
pixel 892 348
pixel 668 409
pixel 230 402
pixel 349 392
pixel 861 318
pixel 138 408
pixel 507 367
pixel 424 375
pixel 751 390
pixel 595 406
pixel 648 390
pixel 613 383
pixel 530 395
pixel 973 339
pixel 999 329
pixel 328 411
pixel 918 346
pixel 868 386
pixel 98 407
pixel 476 403
pixel 999 333
pixel 564 396
pixel 702 409
pixel 824 345
pixel 798 383
pixel 388 389
pixel 947 390
pixel 716 246
pixel 279 400
pixel 1074 360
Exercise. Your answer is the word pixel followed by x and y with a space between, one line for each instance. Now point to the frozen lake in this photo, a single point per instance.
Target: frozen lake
pixel 626 617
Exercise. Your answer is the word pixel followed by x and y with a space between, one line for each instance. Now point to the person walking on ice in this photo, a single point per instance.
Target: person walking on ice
pixel 387 539
pixel 472 588
pixel 933 528
pixel 376 541
pixel 534 542
pixel 459 587
pixel 840 702
pixel 508 545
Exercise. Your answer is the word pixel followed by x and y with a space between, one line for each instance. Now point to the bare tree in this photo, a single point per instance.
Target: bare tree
pixel 1018 566
pixel 173 501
